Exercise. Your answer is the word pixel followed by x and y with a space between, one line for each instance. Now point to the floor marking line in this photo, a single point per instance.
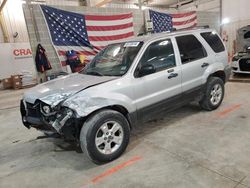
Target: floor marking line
pixel 115 169
pixel 228 110
pixel 8 108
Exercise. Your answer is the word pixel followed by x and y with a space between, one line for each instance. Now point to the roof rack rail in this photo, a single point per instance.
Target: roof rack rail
pixel 197 27
pixel 174 29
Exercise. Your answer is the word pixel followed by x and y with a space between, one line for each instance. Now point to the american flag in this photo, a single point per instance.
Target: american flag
pixel 85 34
pixel 166 22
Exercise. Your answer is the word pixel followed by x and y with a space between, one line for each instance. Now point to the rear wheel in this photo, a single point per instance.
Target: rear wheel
pixel 105 136
pixel 214 94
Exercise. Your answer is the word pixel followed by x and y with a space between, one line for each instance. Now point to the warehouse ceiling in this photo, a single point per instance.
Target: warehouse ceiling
pixel 163 3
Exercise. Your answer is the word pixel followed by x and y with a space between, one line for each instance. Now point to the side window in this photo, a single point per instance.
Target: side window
pixel 190 48
pixel 214 41
pixel 160 54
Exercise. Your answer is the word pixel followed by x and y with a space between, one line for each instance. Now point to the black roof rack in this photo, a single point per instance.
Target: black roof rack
pixel 197 27
pixel 174 29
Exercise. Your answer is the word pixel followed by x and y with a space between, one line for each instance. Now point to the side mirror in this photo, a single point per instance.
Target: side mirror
pixel 146 70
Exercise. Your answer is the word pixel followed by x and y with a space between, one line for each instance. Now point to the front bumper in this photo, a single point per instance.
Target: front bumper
pixel 66 124
pixel 31 118
pixel 237 69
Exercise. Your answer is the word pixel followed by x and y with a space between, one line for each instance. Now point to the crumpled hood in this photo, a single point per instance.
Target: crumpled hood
pixel 55 91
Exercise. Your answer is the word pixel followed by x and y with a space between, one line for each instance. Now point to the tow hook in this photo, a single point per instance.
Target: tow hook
pixel 59 124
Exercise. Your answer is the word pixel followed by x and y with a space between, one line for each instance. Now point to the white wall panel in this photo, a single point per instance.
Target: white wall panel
pixel 236 10
pixel 203 5
pixel 239 15
pixel 63 2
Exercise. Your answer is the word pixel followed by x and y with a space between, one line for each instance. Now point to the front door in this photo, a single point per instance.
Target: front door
pixel 155 92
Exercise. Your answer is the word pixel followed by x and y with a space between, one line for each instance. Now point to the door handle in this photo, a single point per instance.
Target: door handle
pixel 172 75
pixel 204 65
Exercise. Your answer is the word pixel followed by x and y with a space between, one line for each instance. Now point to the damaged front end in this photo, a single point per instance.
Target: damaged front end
pixel 49 118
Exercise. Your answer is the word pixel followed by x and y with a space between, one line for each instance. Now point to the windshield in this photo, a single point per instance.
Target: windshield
pixel 114 60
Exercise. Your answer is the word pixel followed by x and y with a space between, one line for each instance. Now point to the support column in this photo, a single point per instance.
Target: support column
pixel 2 22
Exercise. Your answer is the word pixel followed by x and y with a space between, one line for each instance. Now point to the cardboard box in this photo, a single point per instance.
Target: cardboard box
pixel 16 81
pixel 17 85
pixel 16 78
pixel 7 83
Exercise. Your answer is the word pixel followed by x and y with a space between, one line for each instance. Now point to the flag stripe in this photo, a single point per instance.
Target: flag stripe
pixel 110 28
pixel 108 17
pixel 63 58
pixel 102 44
pixel 185 21
pixel 186 26
pixel 109 23
pixel 87 53
pixel 180 15
pixel 110 33
pixel 184 18
pixel 76 48
pixel 111 37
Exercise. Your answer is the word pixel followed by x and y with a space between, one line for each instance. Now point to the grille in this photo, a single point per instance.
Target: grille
pixel 33 110
pixel 244 65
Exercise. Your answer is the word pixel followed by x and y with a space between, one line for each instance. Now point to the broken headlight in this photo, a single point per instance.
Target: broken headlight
pixel 46 110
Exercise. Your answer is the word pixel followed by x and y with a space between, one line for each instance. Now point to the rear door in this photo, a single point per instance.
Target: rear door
pixel 194 60
pixel 156 92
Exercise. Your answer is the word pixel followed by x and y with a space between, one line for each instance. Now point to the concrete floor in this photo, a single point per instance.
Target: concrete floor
pixel 188 148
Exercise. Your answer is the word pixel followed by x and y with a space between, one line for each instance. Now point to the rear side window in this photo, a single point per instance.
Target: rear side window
pixel 214 41
pixel 190 48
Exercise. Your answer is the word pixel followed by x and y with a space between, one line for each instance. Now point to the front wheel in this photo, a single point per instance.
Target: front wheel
pixel 104 136
pixel 214 94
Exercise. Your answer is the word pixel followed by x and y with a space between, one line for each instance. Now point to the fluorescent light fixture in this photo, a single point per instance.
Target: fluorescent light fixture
pixel 225 21
pixel 144 8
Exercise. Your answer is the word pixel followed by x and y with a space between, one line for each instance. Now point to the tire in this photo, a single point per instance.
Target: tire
pixel 98 127
pixel 208 101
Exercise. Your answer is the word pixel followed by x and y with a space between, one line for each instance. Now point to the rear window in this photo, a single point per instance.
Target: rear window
pixel 214 41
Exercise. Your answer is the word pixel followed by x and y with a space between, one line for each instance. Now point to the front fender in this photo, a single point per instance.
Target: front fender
pixel 212 69
pixel 84 103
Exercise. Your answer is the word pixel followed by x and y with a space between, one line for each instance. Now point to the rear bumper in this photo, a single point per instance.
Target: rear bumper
pixel 227 71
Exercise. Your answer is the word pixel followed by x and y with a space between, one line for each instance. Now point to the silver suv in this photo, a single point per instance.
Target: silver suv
pixel 126 84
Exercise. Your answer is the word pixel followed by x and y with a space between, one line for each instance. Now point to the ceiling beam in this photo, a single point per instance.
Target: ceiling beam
pixel 2 22
pixel 2 5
